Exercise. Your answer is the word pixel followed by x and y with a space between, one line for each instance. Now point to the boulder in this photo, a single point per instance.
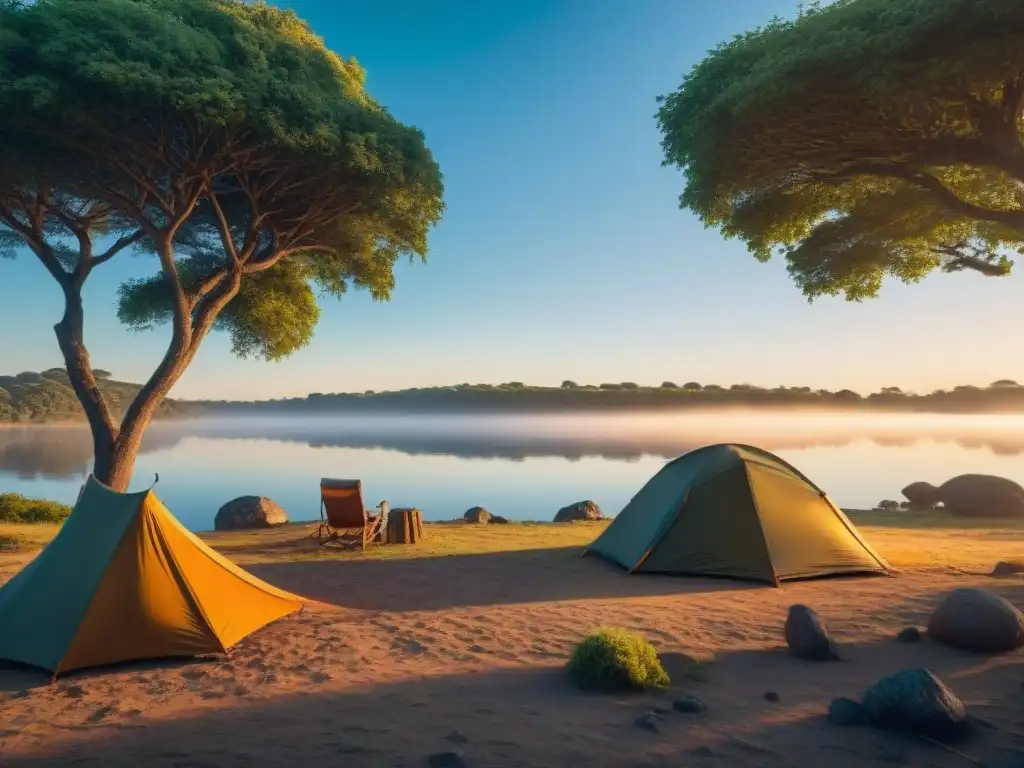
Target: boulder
pixel 649 721
pixel 1007 568
pixel 915 701
pixel 499 520
pixel 844 711
pixel 921 495
pixel 973 619
pixel 249 512
pixel 689 704
pixel 477 515
pixel 909 635
pixel 581 510
pixel 982 496
pixel 806 635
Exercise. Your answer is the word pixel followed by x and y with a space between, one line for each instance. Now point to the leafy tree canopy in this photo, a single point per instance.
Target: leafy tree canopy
pixel 221 137
pixel 863 139
pixel 132 111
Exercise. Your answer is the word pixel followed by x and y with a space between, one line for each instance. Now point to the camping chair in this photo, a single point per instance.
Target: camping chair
pixel 343 518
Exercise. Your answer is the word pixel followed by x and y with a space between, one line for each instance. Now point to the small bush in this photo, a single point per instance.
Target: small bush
pixel 12 543
pixel 15 508
pixel 614 659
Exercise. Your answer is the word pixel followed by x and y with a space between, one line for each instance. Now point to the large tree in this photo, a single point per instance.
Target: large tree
pixel 862 139
pixel 223 140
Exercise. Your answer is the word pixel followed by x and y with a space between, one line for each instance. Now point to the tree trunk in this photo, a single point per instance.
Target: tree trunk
pixel 114 465
pixel 71 341
pixel 116 447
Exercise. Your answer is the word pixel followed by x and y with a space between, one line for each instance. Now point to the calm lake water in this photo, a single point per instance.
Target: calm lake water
pixel 523 467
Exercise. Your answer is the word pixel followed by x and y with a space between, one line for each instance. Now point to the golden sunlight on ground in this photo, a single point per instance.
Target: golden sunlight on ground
pixel 460 642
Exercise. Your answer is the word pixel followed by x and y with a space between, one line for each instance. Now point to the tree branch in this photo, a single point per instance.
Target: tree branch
pixel 224 228
pixel 1013 101
pixel 84 264
pixel 125 241
pixel 962 257
pixel 932 184
pixel 174 364
pixel 32 234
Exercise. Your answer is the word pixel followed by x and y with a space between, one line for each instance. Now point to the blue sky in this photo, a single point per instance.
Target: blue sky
pixel 563 254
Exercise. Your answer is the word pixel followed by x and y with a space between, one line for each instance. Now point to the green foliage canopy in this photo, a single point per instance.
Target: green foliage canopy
pixel 228 126
pixel 863 139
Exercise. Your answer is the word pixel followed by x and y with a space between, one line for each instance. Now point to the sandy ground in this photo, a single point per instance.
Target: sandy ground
pixel 402 658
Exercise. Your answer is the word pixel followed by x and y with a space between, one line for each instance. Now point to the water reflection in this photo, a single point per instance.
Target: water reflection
pixel 522 467
pixel 621 438
pixel 60 452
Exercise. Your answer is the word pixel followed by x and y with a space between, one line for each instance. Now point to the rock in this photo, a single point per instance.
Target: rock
pixel 915 701
pixel 689 704
pixel 1007 568
pixel 249 512
pixel 772 696
pixel 498 520
pixel 648 721
pixel 909 635
pixel 921 495
pixel 452 759
pixel 581 510
pixel 477 515
pixel 844 711
pixel 977 620
pixel 806 636
pixel 982 496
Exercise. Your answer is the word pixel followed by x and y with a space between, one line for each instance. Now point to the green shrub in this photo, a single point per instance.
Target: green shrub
pixel 11 543
pixel 614 659
pixel 15 508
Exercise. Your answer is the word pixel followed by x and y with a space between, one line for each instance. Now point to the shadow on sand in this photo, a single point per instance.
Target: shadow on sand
pixel 455 581
pixel 533 717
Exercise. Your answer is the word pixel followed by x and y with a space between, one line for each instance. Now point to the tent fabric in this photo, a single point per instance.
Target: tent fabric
pixel 736 511
pixel 124 580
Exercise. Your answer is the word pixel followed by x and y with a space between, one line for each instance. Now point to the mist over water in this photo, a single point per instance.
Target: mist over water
pixel 520 466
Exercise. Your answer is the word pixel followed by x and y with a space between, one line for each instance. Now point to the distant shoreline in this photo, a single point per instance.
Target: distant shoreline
pixel 1000 397
pixel 191 412
pixel 526 409
pixel 47 398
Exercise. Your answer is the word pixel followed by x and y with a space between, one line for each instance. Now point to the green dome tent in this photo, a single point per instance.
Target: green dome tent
pixel 736 511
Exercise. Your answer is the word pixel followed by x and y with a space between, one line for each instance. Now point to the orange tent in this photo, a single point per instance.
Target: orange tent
pixel 124 580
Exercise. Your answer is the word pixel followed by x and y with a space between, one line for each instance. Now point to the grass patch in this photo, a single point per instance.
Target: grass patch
pixel 15 508
pixel 938 519
pixel 907 541
pixel 616 660
pixel 11 543
pixel 448 539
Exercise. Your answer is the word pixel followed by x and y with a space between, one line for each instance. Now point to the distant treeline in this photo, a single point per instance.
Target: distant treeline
pixel 47 397
pixel 1000 396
